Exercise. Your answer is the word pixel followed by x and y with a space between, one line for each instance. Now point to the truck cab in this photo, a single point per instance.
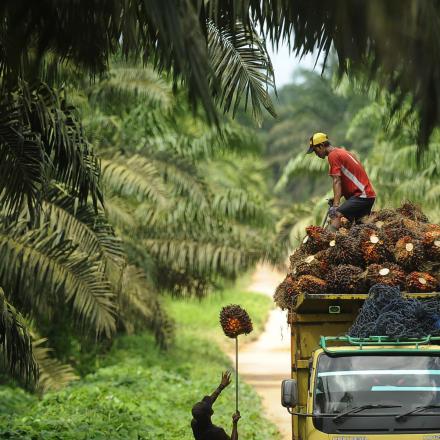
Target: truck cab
pixel 345 388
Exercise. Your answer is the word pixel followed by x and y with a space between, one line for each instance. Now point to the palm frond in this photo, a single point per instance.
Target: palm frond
pixel 388 42
pixel 181 176
pixel 209 143
pixel 41 139
pixel 41 268
pixel 202 257
pixel 240 205
pixel 135 177
pixel 88 34
pixel 395 42
pixel 53 375
pixel 22 161
pixel 16 353
pixel 242 66
pixel 72 158
pixel 299 166
pixel 120 213
pixel 141 309
pixel 88 229
pixel 141 83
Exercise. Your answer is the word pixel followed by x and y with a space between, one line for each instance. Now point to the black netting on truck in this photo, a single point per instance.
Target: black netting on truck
pixel 387 313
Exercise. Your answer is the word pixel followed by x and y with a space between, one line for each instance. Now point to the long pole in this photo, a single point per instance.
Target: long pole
pixel 236 374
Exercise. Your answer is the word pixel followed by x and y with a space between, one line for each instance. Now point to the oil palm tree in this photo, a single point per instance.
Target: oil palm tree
pixel 175 188
pixel 395 41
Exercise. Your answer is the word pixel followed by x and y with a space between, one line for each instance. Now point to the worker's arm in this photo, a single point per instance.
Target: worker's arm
pixel 235 419
pixel 337 190
pixel 226 380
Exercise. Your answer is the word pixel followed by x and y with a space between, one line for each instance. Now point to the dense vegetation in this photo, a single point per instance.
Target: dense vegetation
pixel 176 205
pixel 142 392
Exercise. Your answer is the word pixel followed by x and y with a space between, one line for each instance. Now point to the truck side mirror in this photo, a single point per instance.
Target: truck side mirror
pixel 289 393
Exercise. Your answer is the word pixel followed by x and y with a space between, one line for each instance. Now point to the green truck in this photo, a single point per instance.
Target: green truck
pixel 344 388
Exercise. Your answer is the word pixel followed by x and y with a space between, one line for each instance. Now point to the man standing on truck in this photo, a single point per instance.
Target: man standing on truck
pixel 349 180
pixel 203 428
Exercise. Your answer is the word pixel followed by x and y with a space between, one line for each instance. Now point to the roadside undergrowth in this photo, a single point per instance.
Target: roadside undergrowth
pixel 140 392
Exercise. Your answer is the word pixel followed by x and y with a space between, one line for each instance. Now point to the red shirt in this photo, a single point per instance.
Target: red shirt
pixel 354 179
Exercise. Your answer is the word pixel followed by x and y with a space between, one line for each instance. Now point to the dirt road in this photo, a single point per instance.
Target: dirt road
pixel 265 362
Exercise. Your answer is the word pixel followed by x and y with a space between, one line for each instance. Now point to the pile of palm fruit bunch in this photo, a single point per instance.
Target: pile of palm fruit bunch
pixel 394 247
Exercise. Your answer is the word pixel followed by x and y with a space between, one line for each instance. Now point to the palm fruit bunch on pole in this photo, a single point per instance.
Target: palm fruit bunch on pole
pixel 235 321
pixel 395 247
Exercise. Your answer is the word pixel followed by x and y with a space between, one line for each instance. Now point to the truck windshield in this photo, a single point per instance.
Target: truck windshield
pixel 346 382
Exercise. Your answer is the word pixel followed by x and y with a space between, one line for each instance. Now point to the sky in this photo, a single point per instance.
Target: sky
pixel 285 64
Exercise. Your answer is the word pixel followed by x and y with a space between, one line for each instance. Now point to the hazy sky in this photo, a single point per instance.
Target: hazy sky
pixel 285 64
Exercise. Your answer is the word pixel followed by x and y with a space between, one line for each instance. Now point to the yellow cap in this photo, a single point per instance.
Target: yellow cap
pixel 316 139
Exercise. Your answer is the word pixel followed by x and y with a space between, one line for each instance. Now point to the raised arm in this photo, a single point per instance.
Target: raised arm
pixel 225 381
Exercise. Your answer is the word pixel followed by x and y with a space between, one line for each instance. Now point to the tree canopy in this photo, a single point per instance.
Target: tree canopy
pixel 394 41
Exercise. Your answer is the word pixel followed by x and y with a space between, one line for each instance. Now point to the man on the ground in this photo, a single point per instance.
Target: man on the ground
pixel 201 424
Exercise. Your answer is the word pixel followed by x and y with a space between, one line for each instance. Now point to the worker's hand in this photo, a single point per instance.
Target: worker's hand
pixel 236 417
pixel 226 379
pixel 333 212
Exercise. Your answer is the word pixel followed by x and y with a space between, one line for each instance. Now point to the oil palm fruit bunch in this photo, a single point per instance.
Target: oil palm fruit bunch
pixel 390 244
pixel 235 321
pixel 431 243
pixel 382 216
pixel 317 239
pixel 431 227
pixel 374 250
pixel 395 230
pixel 296 258
pixel 311 265
pixel 364 230
pixel 417 228
pixel 311 284
pixel 421 282
pixel 343 231
pixel 386 273
pixel 323 257
pixel 374 247
pixel 345 250
pixel 286 292
pixel 413 212
pixel 408 252
pixel 345 278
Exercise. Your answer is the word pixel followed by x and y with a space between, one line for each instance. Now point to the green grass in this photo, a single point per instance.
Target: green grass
pixel 140 392
pixel 197 316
